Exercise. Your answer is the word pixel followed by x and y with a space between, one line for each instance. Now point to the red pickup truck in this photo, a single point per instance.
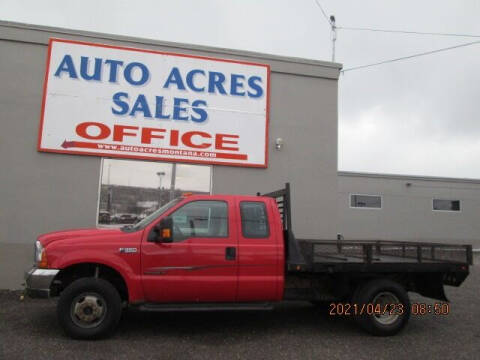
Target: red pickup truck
pixel 229 252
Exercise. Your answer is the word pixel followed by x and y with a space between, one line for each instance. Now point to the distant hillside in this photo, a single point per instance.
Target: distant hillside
pixel 135 200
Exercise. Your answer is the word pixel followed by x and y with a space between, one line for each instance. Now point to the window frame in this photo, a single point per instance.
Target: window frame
pixel 447 211
pixel 99 194
pixel 364 207
pixel 203 237
pixel 266 215
pixel 100 177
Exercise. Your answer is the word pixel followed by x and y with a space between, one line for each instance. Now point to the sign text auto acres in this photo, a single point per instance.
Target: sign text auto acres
pixel 122 102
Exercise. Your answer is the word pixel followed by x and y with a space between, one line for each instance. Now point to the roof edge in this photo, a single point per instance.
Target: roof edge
pixel 407 177
pixel 205 48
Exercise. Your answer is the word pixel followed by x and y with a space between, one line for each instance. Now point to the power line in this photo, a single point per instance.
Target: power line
pixel 411 56
pixel 323 12
pixel 331 22
pixel 407 32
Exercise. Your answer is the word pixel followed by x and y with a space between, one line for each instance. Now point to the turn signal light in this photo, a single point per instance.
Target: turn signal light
pixel 43 264
pixel 166 233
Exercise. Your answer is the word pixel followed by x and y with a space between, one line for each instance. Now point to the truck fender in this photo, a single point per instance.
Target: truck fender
pixel 132 280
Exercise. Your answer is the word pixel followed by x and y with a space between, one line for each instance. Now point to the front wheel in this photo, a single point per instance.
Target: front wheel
pixel 89 308
pixel 385 305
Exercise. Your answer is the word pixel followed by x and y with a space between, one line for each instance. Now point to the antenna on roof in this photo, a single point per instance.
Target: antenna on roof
pixel 334 35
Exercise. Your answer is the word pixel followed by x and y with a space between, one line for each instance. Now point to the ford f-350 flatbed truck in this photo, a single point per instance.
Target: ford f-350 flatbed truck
pixel 232 252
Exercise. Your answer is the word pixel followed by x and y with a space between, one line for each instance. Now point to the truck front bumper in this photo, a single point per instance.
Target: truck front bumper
pixel 38 281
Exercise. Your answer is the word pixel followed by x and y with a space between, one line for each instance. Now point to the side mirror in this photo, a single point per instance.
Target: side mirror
pixel 163 232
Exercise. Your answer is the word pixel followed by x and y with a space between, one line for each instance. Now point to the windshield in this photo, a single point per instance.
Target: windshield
pixel 141 224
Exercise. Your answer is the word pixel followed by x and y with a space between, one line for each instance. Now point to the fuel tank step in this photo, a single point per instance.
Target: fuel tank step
pixel 203 307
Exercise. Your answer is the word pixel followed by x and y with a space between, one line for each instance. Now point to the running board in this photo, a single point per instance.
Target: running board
pixel 204 307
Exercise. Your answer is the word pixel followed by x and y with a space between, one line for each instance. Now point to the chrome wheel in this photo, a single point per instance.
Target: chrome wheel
pixel 88 310
pixel 386 300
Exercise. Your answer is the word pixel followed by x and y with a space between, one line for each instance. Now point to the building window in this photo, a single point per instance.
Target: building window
pixel 446 205
pixel 254 219
pixel 366 201
pixel 130 190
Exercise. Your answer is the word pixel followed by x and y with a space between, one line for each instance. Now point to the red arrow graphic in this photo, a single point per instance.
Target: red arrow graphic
pixel 67 144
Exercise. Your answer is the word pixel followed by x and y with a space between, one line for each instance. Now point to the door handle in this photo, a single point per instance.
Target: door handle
pixel 230 253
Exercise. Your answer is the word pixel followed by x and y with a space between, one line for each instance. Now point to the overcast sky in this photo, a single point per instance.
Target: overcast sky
pixel 419 116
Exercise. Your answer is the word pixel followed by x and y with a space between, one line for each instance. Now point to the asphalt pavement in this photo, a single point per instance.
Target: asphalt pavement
pixel 29 330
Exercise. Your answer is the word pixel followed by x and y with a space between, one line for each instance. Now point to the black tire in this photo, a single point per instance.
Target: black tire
pixel 78 297
pixel 382 324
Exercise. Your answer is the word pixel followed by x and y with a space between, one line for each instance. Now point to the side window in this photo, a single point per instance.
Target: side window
pixel 200 219
pixel 366 201
pixel 446 205
pixel 254 219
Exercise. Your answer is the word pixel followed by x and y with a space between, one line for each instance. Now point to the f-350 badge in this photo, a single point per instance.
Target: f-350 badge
pixel 127 250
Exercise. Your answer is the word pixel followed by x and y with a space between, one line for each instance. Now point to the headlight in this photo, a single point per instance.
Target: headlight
pixel 38 251
pixel 40 255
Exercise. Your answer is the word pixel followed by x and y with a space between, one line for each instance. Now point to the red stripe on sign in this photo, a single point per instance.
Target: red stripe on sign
pixel 231 156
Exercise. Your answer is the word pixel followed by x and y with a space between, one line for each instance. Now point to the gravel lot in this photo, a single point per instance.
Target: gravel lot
pixel 28 330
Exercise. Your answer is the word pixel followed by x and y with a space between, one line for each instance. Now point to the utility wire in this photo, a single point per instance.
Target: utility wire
pixel 411 56
pixel 407 32
pixel 323 12
pixel 329 20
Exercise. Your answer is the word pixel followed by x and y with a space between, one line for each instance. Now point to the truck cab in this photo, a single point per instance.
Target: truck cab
pixel 213 249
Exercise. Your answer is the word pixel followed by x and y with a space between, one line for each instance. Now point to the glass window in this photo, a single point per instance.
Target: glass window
pixel 446 205
pixel 131 190
pixel 254 219
pixel 200 219
pixel 366 201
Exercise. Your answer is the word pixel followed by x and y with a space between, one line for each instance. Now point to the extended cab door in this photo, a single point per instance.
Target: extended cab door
pixel 260 250
pixel 200 265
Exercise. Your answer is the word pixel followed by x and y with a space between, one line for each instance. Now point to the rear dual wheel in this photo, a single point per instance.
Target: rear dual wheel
pixel 386 307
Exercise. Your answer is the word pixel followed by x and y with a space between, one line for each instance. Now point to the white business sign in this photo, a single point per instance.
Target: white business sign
pixel 122 102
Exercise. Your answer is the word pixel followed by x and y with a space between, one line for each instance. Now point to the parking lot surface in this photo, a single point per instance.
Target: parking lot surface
pixel 29 330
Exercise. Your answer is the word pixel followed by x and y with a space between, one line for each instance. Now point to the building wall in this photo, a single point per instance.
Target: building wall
pixel 43 192
pixel 304 115
pixel 39 192
pixel 406 212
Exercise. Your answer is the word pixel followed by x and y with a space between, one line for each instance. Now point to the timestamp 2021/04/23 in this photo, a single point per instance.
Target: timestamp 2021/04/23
pixel 353 309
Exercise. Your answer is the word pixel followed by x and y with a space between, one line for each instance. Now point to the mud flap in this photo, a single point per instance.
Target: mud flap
pixel 431 286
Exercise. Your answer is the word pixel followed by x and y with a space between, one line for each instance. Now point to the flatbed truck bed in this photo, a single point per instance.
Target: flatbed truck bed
pixel 423 266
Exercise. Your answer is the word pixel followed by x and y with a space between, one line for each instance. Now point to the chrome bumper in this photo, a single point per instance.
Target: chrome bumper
pixel 38 281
